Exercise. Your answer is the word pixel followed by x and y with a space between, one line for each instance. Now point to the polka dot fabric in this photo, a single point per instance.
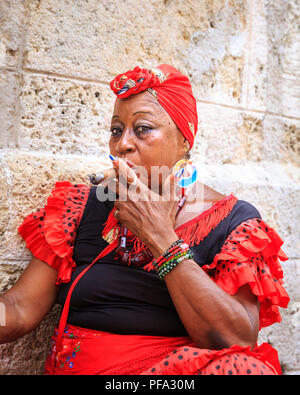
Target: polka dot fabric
pixel 50 231
pixel 233 361
pixel 250 255
pixel 237 364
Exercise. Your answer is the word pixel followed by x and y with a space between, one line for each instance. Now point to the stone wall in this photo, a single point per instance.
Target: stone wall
pixel 56 60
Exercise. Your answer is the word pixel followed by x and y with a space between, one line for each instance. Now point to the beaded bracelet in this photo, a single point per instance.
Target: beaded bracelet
pixel 176 253
pixel 171 252
pixel 169 265
pixel 168 252
pixel 173 256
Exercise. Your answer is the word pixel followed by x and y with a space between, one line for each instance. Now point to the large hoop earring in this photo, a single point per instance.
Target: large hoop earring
pixel 189 168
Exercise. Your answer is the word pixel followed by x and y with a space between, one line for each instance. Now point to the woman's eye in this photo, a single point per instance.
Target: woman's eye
pixel 115 131
pixel 140 129
pixel 143 129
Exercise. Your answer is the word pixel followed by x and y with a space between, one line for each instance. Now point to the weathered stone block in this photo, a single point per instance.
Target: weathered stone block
pixel 216 58
pixel 32 177
pixel 269 188
pixel 284 337
pixel 4 205
pixel 9 274
pixel 218 134
pixel 63 116
pixel 8 108
pixel 11 31
pixel 228 135
pixel 275 57
pixel 291 270
pixel 291 141
pixel 206 40
pixel 107 34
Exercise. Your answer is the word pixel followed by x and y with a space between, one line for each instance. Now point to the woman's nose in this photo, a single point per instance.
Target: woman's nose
pixel 125 143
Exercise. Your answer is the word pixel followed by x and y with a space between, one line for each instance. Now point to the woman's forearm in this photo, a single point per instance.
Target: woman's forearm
pixel 213 318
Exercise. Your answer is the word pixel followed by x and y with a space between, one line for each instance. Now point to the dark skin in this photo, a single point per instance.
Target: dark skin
pixel 212 318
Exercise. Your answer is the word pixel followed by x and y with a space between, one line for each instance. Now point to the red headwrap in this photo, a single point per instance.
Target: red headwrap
pixel 169 87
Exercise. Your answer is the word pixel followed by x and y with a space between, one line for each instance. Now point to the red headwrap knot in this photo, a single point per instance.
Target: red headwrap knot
pixel 135 81
pixel 169 87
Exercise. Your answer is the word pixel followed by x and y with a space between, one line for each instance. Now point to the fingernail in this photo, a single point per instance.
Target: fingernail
pixel 112 157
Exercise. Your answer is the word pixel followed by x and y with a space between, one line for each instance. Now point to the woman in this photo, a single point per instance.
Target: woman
pixel 150 285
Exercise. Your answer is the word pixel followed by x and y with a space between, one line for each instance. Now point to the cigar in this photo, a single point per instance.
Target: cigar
pixel 101 176
pixel 105 175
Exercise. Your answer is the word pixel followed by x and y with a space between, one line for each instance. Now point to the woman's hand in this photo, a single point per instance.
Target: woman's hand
pixel 145 213
pixel 213 318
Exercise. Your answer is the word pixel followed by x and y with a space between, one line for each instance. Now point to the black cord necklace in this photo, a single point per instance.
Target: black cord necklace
pixel 143 257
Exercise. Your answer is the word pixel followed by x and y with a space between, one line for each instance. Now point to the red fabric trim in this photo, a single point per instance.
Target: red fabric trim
pixel 87 351
pixel 32 231
pixel 108 353
pixel 250 256
pixel 50 232
pixel 195 230
pixel 192 232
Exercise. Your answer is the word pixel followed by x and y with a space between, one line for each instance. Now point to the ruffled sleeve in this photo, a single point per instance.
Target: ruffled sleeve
pixel 250 255
pixel 50 232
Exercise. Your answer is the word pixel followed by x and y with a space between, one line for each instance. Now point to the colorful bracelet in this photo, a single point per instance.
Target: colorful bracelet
pixel 169 265
pixel 177 247
pixel 169 250
pixel 176 253
pixel 174 249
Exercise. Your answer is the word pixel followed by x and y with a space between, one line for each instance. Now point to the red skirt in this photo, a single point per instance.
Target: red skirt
pixel 90 352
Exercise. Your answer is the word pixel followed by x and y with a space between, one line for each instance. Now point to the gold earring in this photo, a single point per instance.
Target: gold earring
pixel 187 151
pixel 187 147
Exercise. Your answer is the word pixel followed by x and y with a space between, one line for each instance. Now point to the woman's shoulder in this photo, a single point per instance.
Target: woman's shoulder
pixel 241 211
pixel 222 206
pixel 49 232
pixel 250 250
pixel 71 204
pixel 63 200
pixel 64 188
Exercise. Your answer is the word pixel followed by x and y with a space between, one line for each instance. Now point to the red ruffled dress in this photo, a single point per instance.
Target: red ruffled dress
pixel 237 248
